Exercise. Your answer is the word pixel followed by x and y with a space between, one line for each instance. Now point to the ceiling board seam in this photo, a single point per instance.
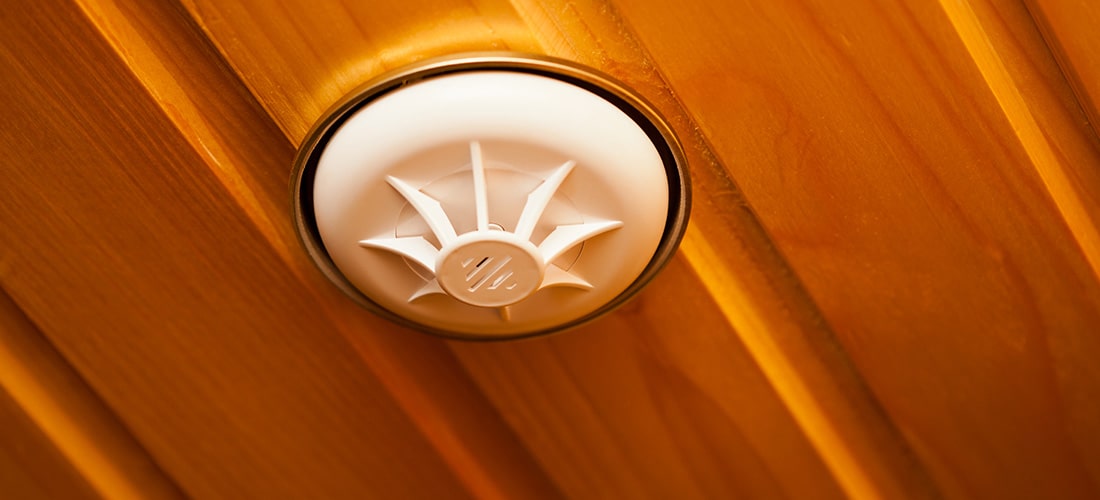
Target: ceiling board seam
pixel 83 447
pixel 846 466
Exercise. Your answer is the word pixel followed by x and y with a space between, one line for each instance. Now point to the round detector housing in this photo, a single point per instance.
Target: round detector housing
pixel 491 195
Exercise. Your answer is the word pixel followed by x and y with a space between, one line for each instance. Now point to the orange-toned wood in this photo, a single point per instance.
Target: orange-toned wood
pixel 249 158
pixel 924 171
pixel 57 439
pixel 30 465
pixel 638 455
pixel 123 244
pixel 320 52
pixel 888 290
pixel 1070 30
pixel 749 283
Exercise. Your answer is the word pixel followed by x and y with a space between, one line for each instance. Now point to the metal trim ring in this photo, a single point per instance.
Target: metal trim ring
pixel 605 86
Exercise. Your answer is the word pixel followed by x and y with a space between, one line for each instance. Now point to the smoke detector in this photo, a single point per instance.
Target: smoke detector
pixel 491 196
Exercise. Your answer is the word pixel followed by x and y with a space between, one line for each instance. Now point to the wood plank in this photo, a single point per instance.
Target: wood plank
pixel 250 158
pixel 123 243
pixel 57 439
pixel 550 390
pixel 1069 28
pixel 641 405
pixel 750 285
pixel 894 154
pixel 308 71
pixel 31 467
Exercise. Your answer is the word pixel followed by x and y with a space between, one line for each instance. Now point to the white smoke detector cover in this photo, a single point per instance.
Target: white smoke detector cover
pixel 491 196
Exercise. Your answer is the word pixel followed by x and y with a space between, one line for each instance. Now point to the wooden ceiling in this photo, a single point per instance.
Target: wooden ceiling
pixel 890 287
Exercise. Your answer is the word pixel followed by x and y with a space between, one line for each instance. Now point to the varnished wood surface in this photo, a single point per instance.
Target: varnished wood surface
pixel 157 287
pixel 630 461
pixel 924 170
pixel 57 438
pixel 1070 29
pixel 30 465
pixel 889 287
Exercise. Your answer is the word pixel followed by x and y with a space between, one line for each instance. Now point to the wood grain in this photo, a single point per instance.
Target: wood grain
pixel 889 288
pixel 324 51
pixel 250 160
pixel 57 439
pixel 462 428
pixel 255 61
pixel 31 467
pixel 125 247
pixel 894 162
pixel 751 285
pixel 1069 28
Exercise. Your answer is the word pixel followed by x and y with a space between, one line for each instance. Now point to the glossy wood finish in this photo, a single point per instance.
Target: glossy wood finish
pixel 889 287
pixel 59 440
pixel 633 461
pixel 1070 29
pixel 925 172
pixel 159 289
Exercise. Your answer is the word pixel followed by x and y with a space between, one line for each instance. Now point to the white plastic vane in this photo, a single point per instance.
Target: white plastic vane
pixel 491 195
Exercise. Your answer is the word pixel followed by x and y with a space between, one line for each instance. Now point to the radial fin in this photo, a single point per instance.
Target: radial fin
pixel 481 193
pixel 415 248
pixel 539 199
pixel 430 288
pixel 556 276
pixel 565 237
pixel 429 208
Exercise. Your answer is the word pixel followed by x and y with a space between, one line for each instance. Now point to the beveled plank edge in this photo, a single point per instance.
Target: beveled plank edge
pixel 84 430
pixel 780 305
pixel 755 288
pixel 149 102
pixel 1088 95
pixel 1056 127
pixel 1056 176
pixel 182 102
pixel 137 31
pixel 31 465
pixel 854 348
